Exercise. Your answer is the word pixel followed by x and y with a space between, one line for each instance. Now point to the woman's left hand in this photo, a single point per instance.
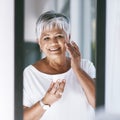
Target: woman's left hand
pixel 75 55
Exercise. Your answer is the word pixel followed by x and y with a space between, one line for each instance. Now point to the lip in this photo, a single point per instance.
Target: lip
pixel 54 49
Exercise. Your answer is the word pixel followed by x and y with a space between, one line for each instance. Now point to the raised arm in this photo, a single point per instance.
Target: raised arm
pixel 85 80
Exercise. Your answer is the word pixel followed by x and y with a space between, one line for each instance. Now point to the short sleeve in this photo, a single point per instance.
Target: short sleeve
pixel 27 101
pixel 88 67
pixel 92 70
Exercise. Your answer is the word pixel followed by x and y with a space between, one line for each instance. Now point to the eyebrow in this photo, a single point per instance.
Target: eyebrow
pixel 59 34
pixel 46 34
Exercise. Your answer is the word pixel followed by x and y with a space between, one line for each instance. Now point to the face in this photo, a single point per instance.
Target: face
pixel 52 42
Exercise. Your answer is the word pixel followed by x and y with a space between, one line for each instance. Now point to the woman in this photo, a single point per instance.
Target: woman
pixel 58 87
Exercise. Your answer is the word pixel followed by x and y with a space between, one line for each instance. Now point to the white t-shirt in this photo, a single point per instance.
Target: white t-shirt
pixel 72 106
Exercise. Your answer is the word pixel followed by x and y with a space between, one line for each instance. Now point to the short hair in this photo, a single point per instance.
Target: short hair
pixel 51 19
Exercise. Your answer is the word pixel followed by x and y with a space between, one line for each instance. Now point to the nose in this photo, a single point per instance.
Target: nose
pixel 53 41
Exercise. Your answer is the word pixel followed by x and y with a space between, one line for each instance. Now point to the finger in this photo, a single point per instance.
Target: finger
pixel 51 85
pixel 69 47
pixel 72 50
pixel 58 94
pixel 74 45
pixel 62 86
pixel 54 88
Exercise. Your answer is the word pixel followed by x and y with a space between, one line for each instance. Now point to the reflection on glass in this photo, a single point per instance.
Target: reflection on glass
pixel 56 84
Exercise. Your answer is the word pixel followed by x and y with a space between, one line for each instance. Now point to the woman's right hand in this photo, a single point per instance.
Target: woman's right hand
pixel 54 93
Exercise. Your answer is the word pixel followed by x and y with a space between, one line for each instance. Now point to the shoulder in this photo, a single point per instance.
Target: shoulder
pixel 88 67
pixel 31 67
pixel 28 68
pixel 86 63
pixel 28 71
pixel 34 69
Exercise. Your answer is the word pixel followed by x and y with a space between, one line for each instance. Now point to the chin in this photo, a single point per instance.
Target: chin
pixel 58 56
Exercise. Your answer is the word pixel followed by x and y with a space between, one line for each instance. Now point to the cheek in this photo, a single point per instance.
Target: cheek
pixel 63 45
pixel 41 44
pixel 62 42
pixel 67 40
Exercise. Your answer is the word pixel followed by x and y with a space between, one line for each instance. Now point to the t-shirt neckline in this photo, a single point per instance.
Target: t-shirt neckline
pixel 50 74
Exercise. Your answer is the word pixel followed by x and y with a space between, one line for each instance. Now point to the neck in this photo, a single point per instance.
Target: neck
pixel 59 64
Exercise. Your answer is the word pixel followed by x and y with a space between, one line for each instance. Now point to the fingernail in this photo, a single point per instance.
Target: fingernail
pixel 64 80
pixel 58 80
pixel 54 80
pixel 73 41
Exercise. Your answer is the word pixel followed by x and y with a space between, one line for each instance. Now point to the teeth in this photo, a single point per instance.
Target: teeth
pixel 53 49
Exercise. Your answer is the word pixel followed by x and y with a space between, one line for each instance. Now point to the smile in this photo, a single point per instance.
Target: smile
pixel 54 49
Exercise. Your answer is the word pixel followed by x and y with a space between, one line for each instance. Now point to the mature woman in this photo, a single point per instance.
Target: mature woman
pixel 58 87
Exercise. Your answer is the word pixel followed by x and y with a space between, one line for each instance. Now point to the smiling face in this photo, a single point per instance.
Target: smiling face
pixel 52 42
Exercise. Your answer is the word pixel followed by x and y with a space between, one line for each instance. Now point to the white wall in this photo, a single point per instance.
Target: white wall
pixel 6 59
pixel 112 98
pixel 33 9
pixel 81 25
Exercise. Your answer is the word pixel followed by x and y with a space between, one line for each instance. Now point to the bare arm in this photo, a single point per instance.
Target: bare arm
pixel 33 113
pixel 52 95
pixel 85 80
pixel 88 85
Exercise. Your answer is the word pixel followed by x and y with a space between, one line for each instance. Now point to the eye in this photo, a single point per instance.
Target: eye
pixel 46 38
pixel 59 36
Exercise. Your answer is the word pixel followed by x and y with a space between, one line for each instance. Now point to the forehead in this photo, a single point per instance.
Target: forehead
pixel 52 31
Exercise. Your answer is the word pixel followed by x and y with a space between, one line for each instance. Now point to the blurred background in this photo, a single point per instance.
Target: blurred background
pixel 82 14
